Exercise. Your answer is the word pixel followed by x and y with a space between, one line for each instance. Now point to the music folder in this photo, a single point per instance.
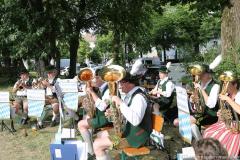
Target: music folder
pixel 69 150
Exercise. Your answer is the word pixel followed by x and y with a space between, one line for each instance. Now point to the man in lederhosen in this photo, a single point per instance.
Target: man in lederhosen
pixel 51 97
pixel 20 88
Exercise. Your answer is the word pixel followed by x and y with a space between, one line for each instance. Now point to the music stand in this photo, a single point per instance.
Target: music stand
pixel 5 126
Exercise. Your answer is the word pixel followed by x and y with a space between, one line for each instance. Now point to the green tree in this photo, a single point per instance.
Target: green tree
pixel 83 51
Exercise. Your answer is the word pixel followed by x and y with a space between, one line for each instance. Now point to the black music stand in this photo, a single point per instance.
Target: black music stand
pixel 4 126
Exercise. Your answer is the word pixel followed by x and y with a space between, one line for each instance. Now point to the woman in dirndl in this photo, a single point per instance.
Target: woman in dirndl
pixel 228 135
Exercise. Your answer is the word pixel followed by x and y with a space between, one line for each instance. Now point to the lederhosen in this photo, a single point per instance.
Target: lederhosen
pixel 50 99
pixel 99 119
pixel 138 135
pixel 210 114
pixel 164 102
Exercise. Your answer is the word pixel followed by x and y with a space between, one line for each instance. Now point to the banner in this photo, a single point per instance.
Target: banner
pixel 71 100
pixel 36 102
pixel 68 85
pixel 4 97
pixel 70 89
pixel 4 105
pixel 183 114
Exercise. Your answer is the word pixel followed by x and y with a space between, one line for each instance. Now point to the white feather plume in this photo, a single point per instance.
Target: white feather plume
pixel 215 62
pixel 109 62
pixel 168 65
pixel 52 62
pixel 25 63
pixel 138 68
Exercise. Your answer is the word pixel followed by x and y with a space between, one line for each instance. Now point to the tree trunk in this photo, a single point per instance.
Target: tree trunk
pixel 73 43
pixel 40 67
pixel 230 29
pixel 116 46
pixel 164 55
pixel 196 48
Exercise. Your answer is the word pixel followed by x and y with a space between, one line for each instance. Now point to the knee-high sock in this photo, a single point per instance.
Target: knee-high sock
pixel 88 139
pixel 104 157
pixel 196 133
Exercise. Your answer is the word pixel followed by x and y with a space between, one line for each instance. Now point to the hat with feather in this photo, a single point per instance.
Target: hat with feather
pixel 209 68
pixel 165 69
pixel 136 72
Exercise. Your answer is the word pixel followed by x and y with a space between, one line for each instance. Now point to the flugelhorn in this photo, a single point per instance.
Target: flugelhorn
pixel 112 74
pixel 196 71
pixel 225 110
pixel 86 75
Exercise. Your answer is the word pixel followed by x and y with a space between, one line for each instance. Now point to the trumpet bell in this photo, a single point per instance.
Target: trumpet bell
pixel 196 70
pixel 227 76
pixel 113 73
pixel 85 74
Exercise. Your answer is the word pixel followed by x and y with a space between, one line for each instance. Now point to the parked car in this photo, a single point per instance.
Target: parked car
pixel 150 77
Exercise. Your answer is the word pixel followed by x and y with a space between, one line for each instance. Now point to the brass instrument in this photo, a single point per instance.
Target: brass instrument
pixel 20 84
pixel 196 71
pixel 86 75
pixel 113 74
pixel 37 83
pixel 226 113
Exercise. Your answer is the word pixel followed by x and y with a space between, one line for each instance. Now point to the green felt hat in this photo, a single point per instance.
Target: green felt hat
pixel 23 71
pixel 163 69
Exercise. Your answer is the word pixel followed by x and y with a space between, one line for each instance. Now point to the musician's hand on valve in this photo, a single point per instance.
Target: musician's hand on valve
pixel 117 100
pixel 197 85
pixel 224 97
pixel 45 83
pixel 89 90
pixel 108 112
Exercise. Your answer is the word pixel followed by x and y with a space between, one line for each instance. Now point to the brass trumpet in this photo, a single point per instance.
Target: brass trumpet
pixel 226 112
pixel 196 71
pixel 112 74
pixel 86 75
pixel 37 83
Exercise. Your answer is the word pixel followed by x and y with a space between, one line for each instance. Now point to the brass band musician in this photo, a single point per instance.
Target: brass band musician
pixel 209 90
pixel 99 120
pixel 163 91
pixel 134 110
pixel 20 88
pixel 228 135
pixel 51 97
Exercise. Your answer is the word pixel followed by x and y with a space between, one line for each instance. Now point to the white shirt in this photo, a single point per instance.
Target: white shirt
pixel 237 98
pixel 169 87
pixel 50 91
pixel 100 103
pixel 135 112
pixel 213 96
